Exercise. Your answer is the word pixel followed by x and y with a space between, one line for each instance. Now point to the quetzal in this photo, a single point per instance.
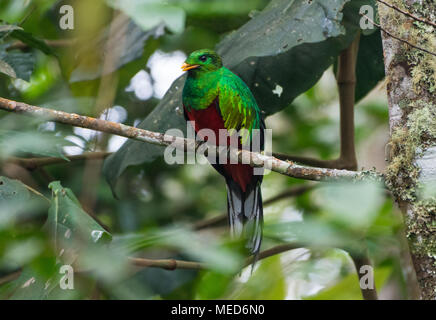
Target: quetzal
pixel 215 98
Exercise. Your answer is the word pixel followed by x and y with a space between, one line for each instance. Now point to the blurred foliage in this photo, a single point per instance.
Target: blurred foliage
pixel 46 224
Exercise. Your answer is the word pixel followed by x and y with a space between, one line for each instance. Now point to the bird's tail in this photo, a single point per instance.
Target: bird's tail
pixel 245 212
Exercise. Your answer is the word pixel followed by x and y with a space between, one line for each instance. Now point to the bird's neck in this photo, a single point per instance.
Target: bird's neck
pixel 201 89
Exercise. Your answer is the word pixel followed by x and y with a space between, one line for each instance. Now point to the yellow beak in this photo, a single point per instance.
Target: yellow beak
pixel 187 66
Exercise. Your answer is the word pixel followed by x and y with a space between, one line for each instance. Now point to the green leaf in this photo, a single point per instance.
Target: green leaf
pixel 77 238
pixel 31 285
pixel 16 200
pixel 267 282
pixel 69 225
pixel 150 13
pixel 7 69
pixel 38 143
pixel 370 68
pixel 32 41
pixel 9 27
pixel 348 288
pixel 354 205
pixel 128 39
pixel 22 63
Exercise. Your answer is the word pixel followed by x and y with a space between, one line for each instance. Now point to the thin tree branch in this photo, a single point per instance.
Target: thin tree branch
pixel 218 220
pixel 408 13
pixel 332 164
pixel 34 163
pixel 10 277
pixel 168 264
pixel 242 156
pixel 346 81
pixel 172 264
pixel 396 37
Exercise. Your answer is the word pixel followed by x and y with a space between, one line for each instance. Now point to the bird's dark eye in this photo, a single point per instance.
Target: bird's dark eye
pixel 203 58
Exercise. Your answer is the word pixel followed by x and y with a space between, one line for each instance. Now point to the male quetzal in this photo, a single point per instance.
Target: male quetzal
pixel 215 98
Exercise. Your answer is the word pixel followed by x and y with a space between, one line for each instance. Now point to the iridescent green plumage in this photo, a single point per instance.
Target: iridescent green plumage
pixel 237 105
pixel 216 99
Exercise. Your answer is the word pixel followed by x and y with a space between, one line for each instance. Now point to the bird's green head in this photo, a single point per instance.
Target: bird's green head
pixel 201 61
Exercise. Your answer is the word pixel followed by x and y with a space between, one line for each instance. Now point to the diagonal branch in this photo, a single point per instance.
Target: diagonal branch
pixel 242 156
pixel 396 37
pixel 171 264
pixel 407 13
pixel 34 163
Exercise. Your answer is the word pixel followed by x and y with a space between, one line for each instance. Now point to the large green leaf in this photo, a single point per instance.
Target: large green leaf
pixel 302 37
pixel 7 69
pixel 75 235
pixel 69 225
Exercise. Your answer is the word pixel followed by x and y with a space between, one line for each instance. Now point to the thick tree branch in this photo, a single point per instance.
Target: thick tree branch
pixel 254 159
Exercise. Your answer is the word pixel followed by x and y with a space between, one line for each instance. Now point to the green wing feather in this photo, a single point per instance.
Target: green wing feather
pixel 237 104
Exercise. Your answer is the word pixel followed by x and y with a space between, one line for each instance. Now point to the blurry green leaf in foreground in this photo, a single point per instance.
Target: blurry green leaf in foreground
pixel 354 204
pixel 17 200
pixel 7 69
pixel 76 236
pixel 150 13
pixel 200 247
pixel 70 226
pixel 15 143
pixel 266 283
pixel 348 288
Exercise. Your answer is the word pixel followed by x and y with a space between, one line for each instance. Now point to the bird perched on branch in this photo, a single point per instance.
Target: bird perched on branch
pixel 215 98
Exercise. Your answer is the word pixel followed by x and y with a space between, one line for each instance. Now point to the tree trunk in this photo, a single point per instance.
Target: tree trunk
pixel 411 89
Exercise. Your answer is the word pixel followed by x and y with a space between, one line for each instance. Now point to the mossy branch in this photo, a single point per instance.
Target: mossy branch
pixel 242 156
